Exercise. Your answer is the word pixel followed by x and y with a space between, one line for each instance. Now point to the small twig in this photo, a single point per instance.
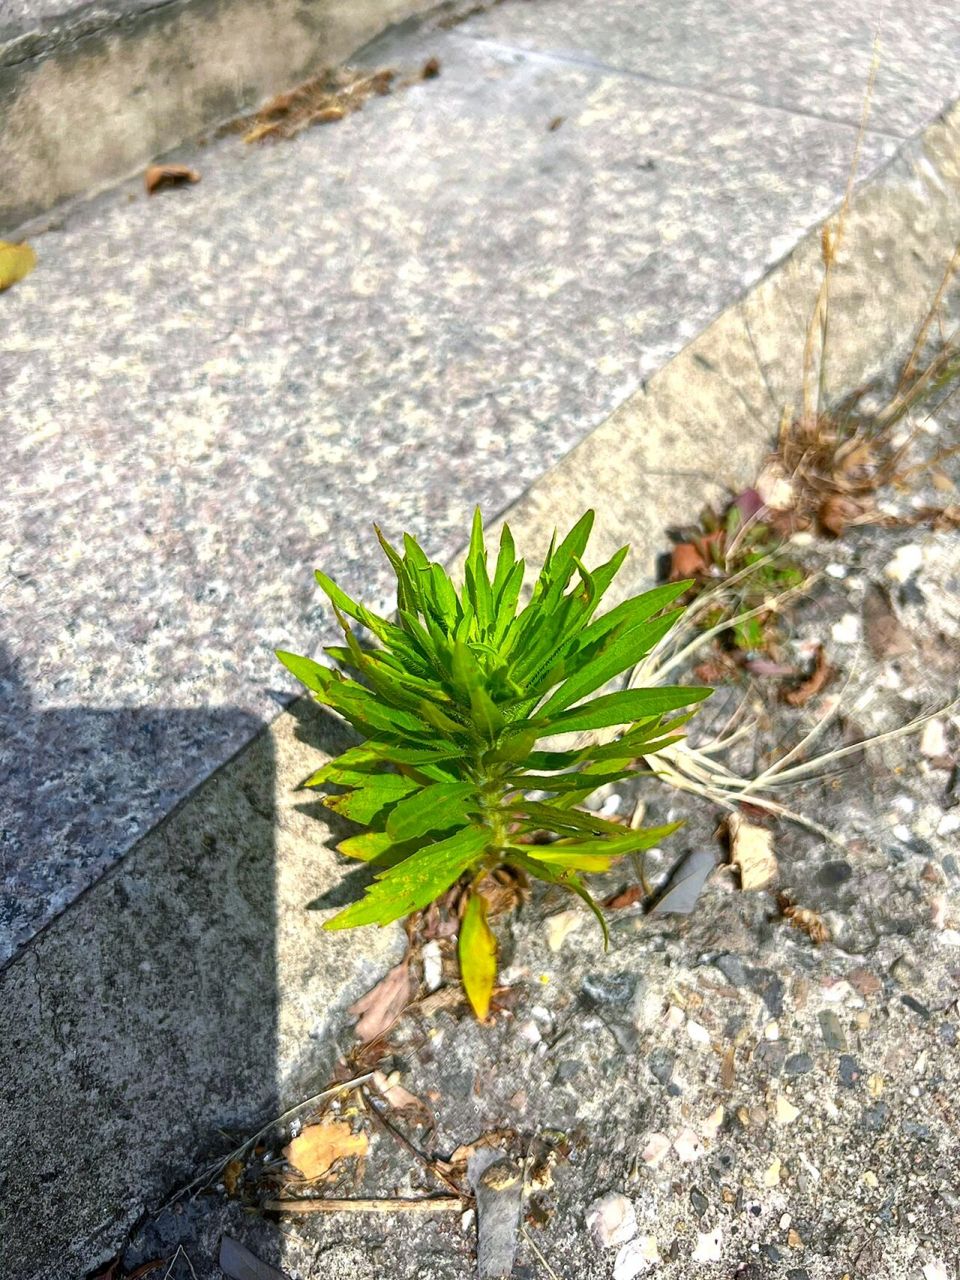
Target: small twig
pixel 426 1204
pixel 418 1155
pixel 181 1252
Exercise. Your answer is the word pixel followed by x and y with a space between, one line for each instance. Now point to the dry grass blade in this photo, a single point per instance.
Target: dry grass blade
pixel 427 1204
pixel 831 238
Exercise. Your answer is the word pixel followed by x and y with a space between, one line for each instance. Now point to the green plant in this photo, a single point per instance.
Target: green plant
pixel 452 703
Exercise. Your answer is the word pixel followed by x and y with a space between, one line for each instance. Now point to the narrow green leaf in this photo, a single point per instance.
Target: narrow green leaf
pixel 415 882
pixel 625 650
pixel 477 949
pixel 308 672
pixel 506 561
pixel 633 611
pixel 366 847
pixel 621 708
pixel 561 876
pixel 435 808
pixel 364 803
pixel 549 818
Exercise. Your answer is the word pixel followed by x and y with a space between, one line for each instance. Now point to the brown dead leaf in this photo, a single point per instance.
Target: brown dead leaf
pixel 885 635
pixel 16 261
pixel 751 852
pixel 430 69
pixel 837 512
pixel 231 1176
pixel 628 897
pixel 686 561
pixel 159 176
pixel 318 1148
pixel 379 1009
pixel 818 679
pixel 324 99
pixel 399 1098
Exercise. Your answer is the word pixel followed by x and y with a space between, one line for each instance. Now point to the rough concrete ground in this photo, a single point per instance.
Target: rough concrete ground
pixel 742 1101
pixel 212 391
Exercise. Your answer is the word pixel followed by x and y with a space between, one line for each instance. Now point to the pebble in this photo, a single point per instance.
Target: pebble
pixel 674 1018
pixel 785 1112
pixel 933 740
pixel 612 1220
pixel 836 570
pixel 949 823
pixel 711 1126
pixel 699 1201
pixel 432 966
pixel 875 1117
pixel 635 1257
pixel 831 1030
pixel 661 1063
pixel 905 973
pixel 697 1033
pixel 870 1178
pixel 771 1031
pixel 849 1071
pixel 905 563
pixel 771 1177
pixel 798 1064
pixel 935 1271
pixel 709 1246
pixel 558 926
pixel 658 1144
pixel 687 1146
pixel 847 630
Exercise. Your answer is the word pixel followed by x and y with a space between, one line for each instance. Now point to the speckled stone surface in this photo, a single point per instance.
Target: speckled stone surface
pixel 208 393
pixel 812 59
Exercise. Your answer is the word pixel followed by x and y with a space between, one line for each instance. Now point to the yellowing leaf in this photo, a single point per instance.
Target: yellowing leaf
pixel 320 1146
pixel 478 955
pixel 16 261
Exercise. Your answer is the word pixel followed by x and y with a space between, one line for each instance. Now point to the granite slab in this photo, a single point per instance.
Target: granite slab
pixel 811 59
pixel 210 392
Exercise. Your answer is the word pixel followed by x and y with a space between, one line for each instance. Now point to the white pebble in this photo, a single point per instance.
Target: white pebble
pixel 697 1033
pixel 658 1144
pixel 687 1146
pixel 935 1271
pixel 905 563
pixel 847 630
pixel 709 1246
pixel 949 823
pixel 785 1111
pixel 432 966
pixel 612 1220
pixel 636 1257
pixel 711 1126
pixel 771 1031
pixel 933 740
pixel 674 1018
pixel 836 570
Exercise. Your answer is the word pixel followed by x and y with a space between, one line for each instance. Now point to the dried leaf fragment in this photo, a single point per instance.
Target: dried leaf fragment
pixel 318 1148
pixel 16 261
pixel 817 680
pixel 379 1009
pixel 159 176
pixel 399 1098
pixel 751 852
